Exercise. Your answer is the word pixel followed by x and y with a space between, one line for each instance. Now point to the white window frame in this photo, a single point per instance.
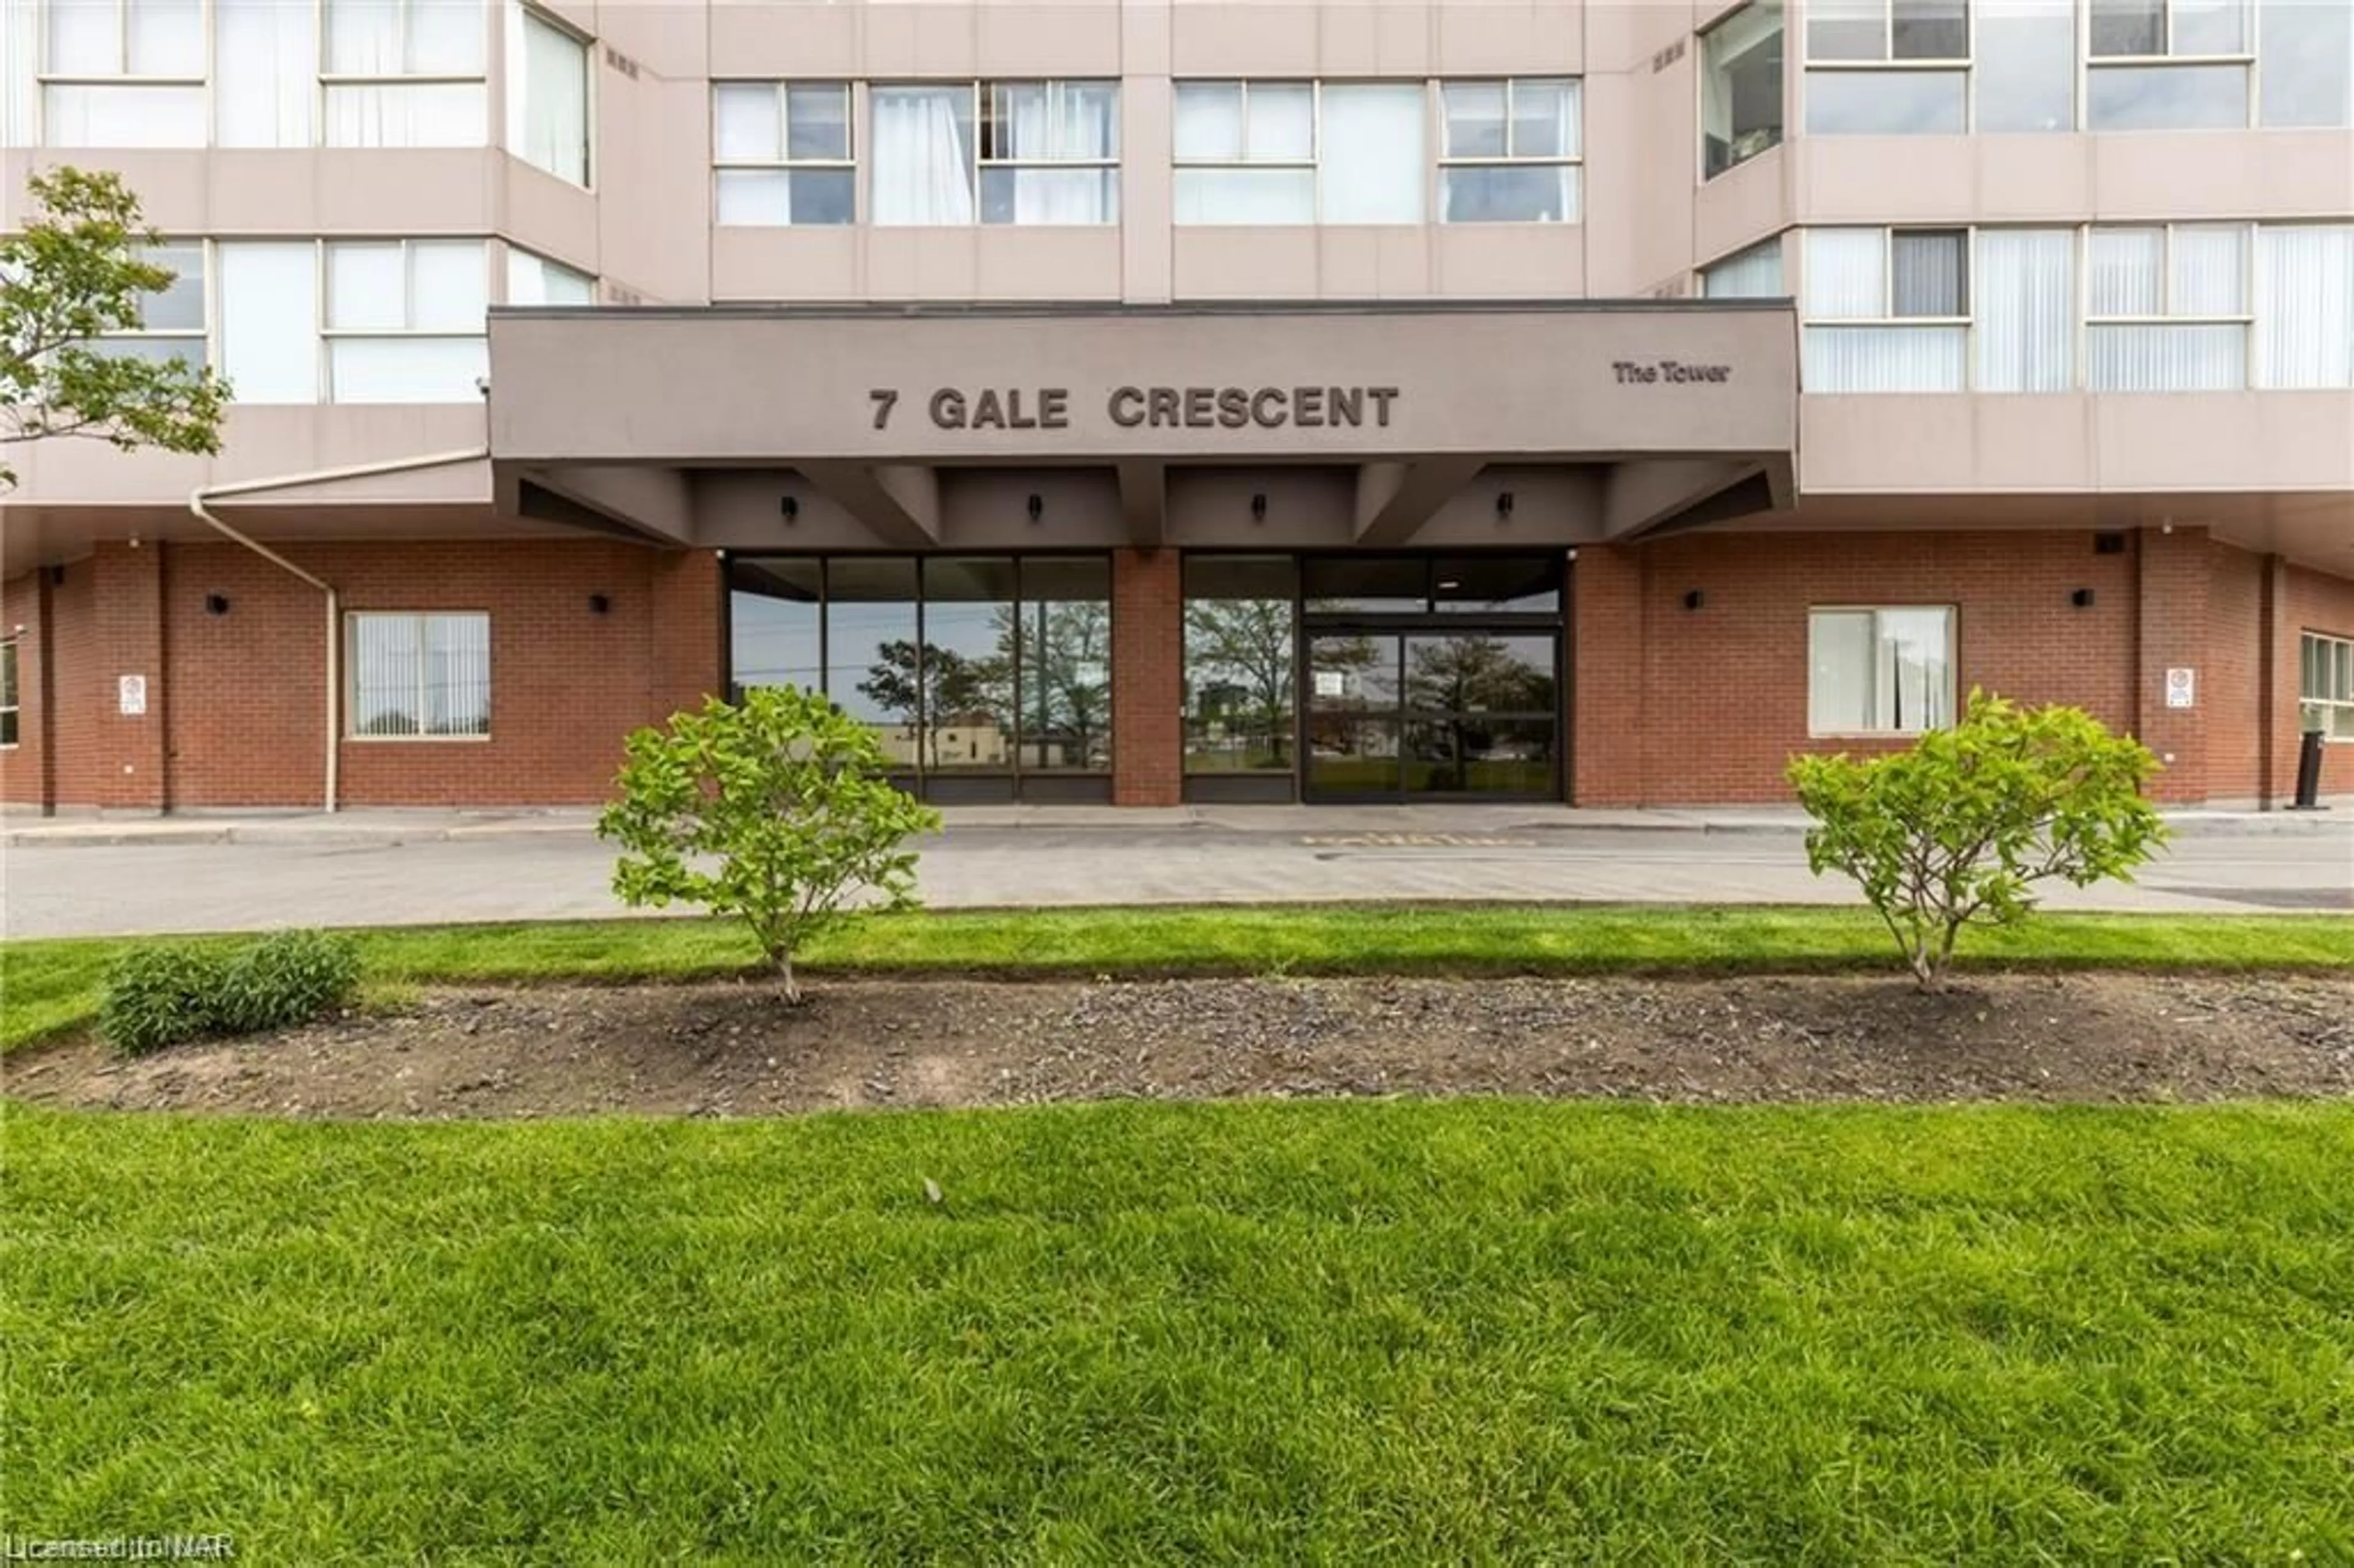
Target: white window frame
pixel 1313 164
pixel 1952 615
pixel 2087 321
pixel 12 694
pixel 1772 242
pixel 201 335
pixel 2088 64
pixel 122 78
pixel 493 286
pixel 1964 66
pixel 328 80
pixel 351 619
pixel 1794 106
pixel 516 255
pixel 2336 711
pixel 784 162
pixel 985 116
pixel 1967 321
pixel 519 71
pixel 1511 158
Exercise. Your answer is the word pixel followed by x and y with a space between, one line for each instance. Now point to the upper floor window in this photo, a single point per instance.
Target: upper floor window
pixel 2167 309
pixel 353 321
pixel 548 95
pixel 1020 152
pixel 2305 305
pixel 2167 64
pixel 2023 64
pixel 783 153
pixel 534 279
pixel 172 319
pixel 1752 274
pixel 2307 48
pixel 1886 310
pixel 1740 87
pixel 1510 153
pixel 1300 152
pixel 1887 66
pixel 124 73
pixel 405 73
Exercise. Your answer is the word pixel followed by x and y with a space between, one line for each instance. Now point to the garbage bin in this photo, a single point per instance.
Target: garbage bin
pixel 2308 774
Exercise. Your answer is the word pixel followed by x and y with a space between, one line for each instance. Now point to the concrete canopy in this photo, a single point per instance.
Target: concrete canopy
pixel 1276 427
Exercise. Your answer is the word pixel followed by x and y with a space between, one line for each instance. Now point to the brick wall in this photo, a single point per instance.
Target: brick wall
pixel 1147 634
pixel 237 701
pixel 1678 706
pixel 2234 698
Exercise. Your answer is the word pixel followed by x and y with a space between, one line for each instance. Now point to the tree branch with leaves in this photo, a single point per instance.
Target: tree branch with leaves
pixel 74 276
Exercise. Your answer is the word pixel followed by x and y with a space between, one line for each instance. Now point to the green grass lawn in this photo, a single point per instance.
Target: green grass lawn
pixel 1346 1333
pixel 49 986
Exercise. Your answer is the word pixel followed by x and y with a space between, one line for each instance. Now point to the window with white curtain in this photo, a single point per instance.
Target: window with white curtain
pixel 2305 305
pixel 170 318
pixel 1301 152
pixel 2023 298
pixel 1012 152
pixel 2023 66
pixel 2324 691
pixel 1887 67
pixel 1885 310
pixel 2306 48
pixel 781 152
pixel 406 73
pixel 404 321
pixel 1752 274
pixel 268 325
pixel 1880 670
pixel 548 94
pixel 2168 65
pixel 417 676
pixel 265 73
pixel 2167 308
pixel 124 73
pixel 534 279
pixel 1740 87
pixel 1511 151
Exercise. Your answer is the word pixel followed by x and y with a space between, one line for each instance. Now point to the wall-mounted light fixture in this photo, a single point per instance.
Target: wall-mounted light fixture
pixel 2081 599
pixel 1036 506
pixel 599 604
pixel 1258 506
pixel 216 604
pixel 791 507
pixel 1694 598
pixel 1504 504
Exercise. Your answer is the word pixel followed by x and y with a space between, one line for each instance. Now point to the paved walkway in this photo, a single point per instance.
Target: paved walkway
pixel 217 874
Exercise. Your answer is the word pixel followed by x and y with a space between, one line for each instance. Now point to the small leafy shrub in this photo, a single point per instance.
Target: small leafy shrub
pixel 162 993
pixel 288 978
pixel 1957 831
pixel 774 810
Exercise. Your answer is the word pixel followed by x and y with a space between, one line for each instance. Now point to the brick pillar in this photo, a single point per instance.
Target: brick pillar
pixel 2172 574
pixel 127 605
pixel 1605 669
pixel 1148 643
pixel 686 663
pixel 2277 679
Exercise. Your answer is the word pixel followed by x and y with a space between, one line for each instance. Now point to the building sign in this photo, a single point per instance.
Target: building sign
pixel 1150 408
pixel 131 695
pixel 2181 688
pixel 1641 373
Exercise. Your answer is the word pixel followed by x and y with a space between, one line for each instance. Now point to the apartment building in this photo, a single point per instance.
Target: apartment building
pixel 1191 401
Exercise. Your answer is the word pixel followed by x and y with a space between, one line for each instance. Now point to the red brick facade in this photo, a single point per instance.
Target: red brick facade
pixel 1668 704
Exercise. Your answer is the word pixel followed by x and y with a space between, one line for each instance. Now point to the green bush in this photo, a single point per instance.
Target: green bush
pixel 1957 831
pixel 288 978
pixel 162 993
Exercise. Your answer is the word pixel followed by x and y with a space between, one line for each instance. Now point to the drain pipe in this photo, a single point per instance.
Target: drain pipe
pixel 204 493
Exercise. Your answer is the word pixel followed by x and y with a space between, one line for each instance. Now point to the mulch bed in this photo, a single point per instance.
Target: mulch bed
pixel 736 1049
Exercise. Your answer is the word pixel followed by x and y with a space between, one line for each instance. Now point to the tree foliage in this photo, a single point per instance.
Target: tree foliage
pixel 1958 830
pixel 773 810
pixel 74 274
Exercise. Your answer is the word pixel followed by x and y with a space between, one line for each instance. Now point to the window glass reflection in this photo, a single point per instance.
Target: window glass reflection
pixel 1064 639
pixel 967 663
pixel 1377 584
pixel 1239 669
pixel 1496 585
pixel 773 612
pixel 1479 672
pixel 870 621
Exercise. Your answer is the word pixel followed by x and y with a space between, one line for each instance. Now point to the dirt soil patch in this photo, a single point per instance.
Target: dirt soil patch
pixel 738 1050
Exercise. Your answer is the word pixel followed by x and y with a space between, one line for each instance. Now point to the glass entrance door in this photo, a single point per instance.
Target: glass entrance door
pixel 1451 713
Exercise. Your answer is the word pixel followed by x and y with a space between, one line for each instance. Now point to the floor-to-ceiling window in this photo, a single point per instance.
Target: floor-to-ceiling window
pixel 983 677
pixel 1240 680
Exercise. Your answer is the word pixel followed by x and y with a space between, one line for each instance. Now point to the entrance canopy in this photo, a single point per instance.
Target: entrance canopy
pixel 1052 427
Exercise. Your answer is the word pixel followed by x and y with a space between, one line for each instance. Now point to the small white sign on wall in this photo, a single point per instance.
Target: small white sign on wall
pixel 2181 688
pixel 131 695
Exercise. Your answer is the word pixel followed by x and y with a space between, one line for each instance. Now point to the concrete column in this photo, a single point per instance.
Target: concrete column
pixel 127 609
pixel 2173 566
pixel 1606 666
pixel 1148 649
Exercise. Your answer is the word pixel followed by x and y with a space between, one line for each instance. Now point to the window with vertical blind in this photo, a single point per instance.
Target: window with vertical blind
pixel 548 94
pixel 992 152
pixel 1879 669
pixel 124 73
pixel 2305 305
pixel 2326 686
pixel 1301 152
pixel 1752 274
pixel 2167 308
pixel 417 676
pixel 781 151
pixel 1886 310
pixel 405 73
pixel 2025 310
